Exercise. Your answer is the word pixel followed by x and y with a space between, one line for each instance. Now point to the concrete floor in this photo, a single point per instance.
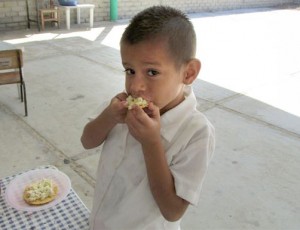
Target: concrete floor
pixel 248 88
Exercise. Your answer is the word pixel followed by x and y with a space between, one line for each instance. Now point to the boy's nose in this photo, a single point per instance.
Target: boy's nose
pixel 137 85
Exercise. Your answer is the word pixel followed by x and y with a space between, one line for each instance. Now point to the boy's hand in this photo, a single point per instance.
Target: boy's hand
pixel 117 107
pixel 96 131
pixel 144 124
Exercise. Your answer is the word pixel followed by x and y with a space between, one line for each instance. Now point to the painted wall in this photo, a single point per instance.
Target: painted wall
pixel 13 12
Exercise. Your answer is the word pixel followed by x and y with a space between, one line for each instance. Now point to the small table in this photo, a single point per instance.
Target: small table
pixel 70 213
pixel 78 7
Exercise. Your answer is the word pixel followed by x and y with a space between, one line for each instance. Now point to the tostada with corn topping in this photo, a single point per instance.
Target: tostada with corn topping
pixel 40 192
pixel 139 101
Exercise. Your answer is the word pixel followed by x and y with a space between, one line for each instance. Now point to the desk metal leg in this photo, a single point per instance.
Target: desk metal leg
pixel 27 12
pixel 91 17
pixel 68 18
pixel 37 15
pixel 78 15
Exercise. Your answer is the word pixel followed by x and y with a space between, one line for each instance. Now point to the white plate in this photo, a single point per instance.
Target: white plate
pixel 14 191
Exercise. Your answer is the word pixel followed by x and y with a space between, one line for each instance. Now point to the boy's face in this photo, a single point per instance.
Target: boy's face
pixel 151 73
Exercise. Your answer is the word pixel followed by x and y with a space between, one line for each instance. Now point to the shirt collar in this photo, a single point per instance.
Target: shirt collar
pixel 172 120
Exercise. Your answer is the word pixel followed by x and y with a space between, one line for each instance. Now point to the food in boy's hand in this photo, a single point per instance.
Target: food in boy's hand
pixel 40 192
pixel 139 101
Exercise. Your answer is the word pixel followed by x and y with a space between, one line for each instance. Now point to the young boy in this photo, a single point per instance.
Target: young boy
pixel 153 159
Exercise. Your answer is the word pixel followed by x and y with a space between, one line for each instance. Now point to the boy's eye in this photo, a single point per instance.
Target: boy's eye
pixel 152 72
pixel 129 71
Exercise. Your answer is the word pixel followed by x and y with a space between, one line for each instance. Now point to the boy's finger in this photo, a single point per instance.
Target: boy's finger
pixel 154 110
pixel 138 113
pixel 121 96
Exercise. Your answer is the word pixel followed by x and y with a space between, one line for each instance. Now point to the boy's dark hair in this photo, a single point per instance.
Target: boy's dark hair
pixel 167 23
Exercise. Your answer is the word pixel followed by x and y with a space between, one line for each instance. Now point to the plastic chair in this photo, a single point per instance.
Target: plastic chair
pixel 11 72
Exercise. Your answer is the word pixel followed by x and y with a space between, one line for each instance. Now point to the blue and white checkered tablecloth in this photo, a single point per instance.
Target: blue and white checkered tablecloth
pixel 70 214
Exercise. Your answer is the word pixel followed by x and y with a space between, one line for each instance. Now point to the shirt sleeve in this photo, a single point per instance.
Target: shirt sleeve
pixel 189 165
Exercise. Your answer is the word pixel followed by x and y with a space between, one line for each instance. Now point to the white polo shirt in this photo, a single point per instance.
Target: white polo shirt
pixel 122 199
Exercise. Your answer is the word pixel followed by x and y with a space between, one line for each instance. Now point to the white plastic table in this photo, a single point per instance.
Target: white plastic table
pixel 78 7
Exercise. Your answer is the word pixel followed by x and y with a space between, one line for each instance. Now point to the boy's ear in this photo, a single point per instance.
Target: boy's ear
pixel 192 70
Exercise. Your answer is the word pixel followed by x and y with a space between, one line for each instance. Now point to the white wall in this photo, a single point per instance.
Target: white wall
pixel 13 12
